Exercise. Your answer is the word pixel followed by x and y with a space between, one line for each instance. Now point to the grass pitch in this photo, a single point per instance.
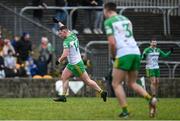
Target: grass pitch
pixel 83 108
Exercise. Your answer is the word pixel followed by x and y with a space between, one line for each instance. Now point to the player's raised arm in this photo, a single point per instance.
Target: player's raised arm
pixel 57 21
pixel 164 54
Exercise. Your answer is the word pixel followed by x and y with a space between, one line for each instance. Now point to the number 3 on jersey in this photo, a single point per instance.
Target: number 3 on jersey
pixel 128 30
pixel 124 27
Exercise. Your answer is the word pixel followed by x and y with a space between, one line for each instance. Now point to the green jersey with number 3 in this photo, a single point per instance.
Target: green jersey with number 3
pixel 72 43
pixel 121 28
pixel 152 56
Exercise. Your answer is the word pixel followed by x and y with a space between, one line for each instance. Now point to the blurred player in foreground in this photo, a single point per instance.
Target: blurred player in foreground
pixel 126 53
pixel 75 64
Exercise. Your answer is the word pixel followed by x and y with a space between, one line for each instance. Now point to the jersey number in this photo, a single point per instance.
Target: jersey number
pixel 76 46
pixel 128 30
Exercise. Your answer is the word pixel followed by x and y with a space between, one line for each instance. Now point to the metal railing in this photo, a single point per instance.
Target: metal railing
pixel 23 10
pixel 168 19
pixel 162 9
pixel 171 71
pixel 169 3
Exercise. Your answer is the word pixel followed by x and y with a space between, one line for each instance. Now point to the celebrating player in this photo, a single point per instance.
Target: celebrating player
pixel 126 53
pixel 75 64
pixel 152 54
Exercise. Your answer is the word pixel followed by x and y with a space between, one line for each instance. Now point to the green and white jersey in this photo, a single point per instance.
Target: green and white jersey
pixel 72 43
pixel 121 28
pixel 152 55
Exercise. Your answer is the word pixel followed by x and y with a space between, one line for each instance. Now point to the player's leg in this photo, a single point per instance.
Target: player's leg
pixel 118 76
pixel 64 77
pixel 157 74
pixel 89 82
pixel 157 85
pixel 154 79
pixel 150 75
pixel 85 77
pixel 153 85
pixel 66 74
pixel 132 77
pixel 79 71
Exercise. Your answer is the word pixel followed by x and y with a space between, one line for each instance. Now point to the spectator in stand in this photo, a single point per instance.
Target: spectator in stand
pixel 7 47
pixel 14 42
pixel 1 42
pixel 45 49
pixel 31 67
pixel 88 16
pixel 98 17
pixel 42 65
pixel 24 47
pixel 60 14
pixel 45 56
pixel 73 3
pixel 10 64
pixel 2 72
pixel 38 14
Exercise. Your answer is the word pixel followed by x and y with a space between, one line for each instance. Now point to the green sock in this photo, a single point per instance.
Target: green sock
pixel 124 109
pixel 147 97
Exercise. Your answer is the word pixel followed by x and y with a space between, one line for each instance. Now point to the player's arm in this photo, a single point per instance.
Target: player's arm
pixel 111 39
pixel 58 22
pixel 144 54
pixel 112 43
pixel 64 55
pixel 164 54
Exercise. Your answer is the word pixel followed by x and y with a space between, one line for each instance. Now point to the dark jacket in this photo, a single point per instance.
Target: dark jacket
pixel 42 65
pixel 23 48
pixel 37 13
pixel 1 63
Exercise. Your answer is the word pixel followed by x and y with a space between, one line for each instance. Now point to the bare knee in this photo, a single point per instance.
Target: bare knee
pixel 114 84
pixel 153 82
pixel 131 84
pixel 63 78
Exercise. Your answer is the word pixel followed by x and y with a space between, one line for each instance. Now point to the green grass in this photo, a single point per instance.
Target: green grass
pixel 83 108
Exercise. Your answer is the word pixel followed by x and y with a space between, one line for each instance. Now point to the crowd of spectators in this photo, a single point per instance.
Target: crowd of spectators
pixel 16 57
pixel 92 19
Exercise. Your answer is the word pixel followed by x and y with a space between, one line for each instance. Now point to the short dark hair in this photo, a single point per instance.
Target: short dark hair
pixel 63 28
pixel 110 6
pixel 153 38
